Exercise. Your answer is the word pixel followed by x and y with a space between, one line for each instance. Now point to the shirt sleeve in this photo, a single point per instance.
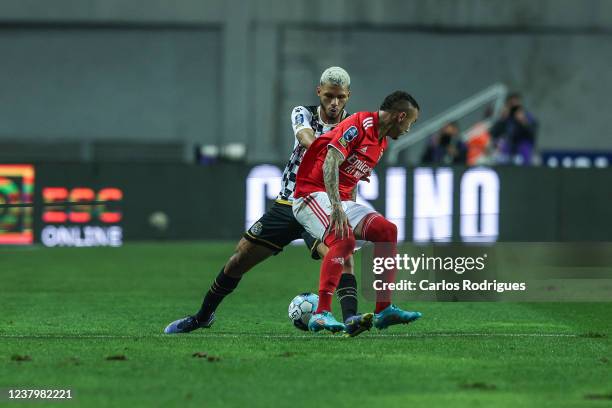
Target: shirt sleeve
pixel 344 139
pixel 300 119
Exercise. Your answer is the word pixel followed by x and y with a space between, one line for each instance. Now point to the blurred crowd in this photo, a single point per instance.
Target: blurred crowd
pixel 508 139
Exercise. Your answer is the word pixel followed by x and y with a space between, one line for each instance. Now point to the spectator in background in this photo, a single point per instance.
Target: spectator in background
pixel 445 147
pixel 478 141
pixel 514 133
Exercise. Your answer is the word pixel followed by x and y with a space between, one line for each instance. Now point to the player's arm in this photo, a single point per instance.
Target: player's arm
pixel 300 121
pixel 305 137
pixel 331 178
pixel 354 194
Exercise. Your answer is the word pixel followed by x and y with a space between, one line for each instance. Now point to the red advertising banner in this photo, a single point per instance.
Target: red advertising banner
pixel 16 187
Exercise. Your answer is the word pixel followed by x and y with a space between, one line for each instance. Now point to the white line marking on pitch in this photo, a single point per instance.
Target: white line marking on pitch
pixel 274 336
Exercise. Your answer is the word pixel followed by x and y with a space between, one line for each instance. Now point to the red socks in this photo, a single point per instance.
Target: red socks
pixel 383 233
pixel 331 267
pixel 377 229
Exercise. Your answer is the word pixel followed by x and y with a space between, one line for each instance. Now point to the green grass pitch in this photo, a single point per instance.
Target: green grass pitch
pixel 65 311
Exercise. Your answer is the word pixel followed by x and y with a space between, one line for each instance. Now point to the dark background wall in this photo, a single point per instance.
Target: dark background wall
pixel 219 72
pixel 109 83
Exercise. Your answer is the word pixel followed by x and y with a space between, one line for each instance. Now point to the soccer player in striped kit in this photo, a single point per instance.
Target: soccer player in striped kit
pixel 278 227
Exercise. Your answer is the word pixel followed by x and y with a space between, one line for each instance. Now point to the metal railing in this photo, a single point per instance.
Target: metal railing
pixel 494 94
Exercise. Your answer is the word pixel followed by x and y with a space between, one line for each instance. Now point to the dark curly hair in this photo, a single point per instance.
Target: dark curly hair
pixel 399 101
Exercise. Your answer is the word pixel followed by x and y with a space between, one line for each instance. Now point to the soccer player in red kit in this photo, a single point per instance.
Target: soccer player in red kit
pixel 330 171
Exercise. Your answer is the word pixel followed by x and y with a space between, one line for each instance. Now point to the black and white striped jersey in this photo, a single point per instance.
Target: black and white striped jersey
pixel 301 117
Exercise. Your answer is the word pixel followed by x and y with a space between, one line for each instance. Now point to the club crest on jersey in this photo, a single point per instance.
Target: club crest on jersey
pixel 256 228
pixel 350 134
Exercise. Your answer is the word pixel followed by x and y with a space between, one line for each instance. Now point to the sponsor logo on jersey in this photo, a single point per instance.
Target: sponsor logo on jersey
pixel 356 167
pixel 350 134
pixel 364 149
pixel 256 228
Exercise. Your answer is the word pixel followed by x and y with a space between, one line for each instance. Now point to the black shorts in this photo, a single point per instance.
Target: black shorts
pixel 277 228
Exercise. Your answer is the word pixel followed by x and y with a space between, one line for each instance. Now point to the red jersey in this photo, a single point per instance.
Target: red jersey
pixel 356 138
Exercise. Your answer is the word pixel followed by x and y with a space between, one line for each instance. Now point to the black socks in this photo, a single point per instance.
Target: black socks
pixel 347 294
pixel 221 287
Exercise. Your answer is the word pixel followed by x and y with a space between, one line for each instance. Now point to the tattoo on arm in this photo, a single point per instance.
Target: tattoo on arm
pixel 331 175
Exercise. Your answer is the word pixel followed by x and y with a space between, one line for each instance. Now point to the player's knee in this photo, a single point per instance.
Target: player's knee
pixel 348 266
pixel 332 239
pixel 384 231
pixel 322 249
pixel 347 245
pixel 233 266
pixel 236 265
pixel 350 262
pixel 343 246
pixel 390 232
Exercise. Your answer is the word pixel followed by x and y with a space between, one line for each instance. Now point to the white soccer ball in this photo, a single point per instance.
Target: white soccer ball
pixel 301 308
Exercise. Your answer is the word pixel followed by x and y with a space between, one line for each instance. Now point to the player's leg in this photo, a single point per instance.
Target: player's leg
pixel 246 255
pixel 266 237
pixel 383 233
pixel 313 213
pixel 355 323
pixel 332 265
pixel 347 287
pixel 347 290
pixel 334 262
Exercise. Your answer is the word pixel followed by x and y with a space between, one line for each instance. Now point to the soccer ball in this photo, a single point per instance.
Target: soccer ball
pixel 301 308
